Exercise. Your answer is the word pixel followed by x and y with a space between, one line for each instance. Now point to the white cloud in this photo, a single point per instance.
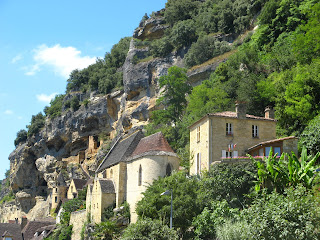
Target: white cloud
pixel 8 112
pixel 16 58
pixel 46 98
pixel 62 59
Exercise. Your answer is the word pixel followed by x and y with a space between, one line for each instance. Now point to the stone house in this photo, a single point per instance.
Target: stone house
pixel 75 186
pixel 230 136
pixel 132 163
pixel 10 231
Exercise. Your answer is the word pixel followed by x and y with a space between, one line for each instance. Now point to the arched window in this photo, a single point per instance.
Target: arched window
pixel 168 170
pixel 140 176
pixel 111 173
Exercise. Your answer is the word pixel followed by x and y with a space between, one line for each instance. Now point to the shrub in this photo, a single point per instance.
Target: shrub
pixel 75 104
pixel 37 122
pixel 22 136
pixel 183 33
pixel 161 47
pixel 149 229
pixel 204 49
pixel 54 110
pixel 310 137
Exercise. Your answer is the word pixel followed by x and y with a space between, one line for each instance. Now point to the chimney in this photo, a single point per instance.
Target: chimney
pixel 241 109
pixel 269 113
pixel 24 222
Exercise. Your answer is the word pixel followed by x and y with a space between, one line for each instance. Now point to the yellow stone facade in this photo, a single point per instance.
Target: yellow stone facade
pixel 57 195
pixel 210 139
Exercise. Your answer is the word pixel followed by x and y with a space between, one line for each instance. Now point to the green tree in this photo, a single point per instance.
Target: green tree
pixel 178 10
pixel 22 136
pixel 145 229
pixel 37 123
pixel 106 230
pixel 185 204
pixel 183 33
pixel 55 108
pixel 310 137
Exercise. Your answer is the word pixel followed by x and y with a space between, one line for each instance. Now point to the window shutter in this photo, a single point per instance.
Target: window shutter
pixel 235 154
pixel 224 153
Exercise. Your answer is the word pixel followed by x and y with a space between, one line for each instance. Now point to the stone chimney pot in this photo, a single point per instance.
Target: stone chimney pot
pixel 269 113
pixel 241 109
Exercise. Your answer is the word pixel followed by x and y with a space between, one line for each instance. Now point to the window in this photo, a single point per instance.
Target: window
pixel 229 154
pixel 229 130
pixel 255 131
pixel 198 134
pixel 104 174
pixel 198 163
pixel 140 176
pixel 56 189
pixel 168 170
pixel 111 173
pixel 55 199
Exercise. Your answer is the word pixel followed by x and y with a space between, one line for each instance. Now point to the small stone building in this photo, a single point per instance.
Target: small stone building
pixel 75 186
pixel 232 135
pixel 133 162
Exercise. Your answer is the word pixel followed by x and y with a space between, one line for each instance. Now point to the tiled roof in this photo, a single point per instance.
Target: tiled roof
pixel 107 186
pixel 11 229
pixel 155 144
pixel 230 114
pixel 79 183
pixel 32 226
pixel 47 229
pixel 121 150
pixel 271 141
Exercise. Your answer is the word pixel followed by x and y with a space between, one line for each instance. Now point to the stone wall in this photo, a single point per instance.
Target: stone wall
pixel 77 219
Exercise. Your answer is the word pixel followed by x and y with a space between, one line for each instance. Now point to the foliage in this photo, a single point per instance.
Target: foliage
pixel 82 194
pixel 161 47
pixel 232 230
pixel 294 215
pixel 178 10
pixel 8 197
pixel 279 173
pixel 185 204
pixel 310 137
pixel 106 230
pixel 183 33
pixel 54 110
pixel 108 212
pixel 37 123
pixel 145 229
pixel 230 182
pixel 69 207
pixel 216 214
pixel 22 136
pixel 62 232
pixel 204 49
pixel 75 104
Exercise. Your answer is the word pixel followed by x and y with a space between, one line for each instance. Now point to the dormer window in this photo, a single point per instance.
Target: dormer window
pixel 255 131
pixel 229 130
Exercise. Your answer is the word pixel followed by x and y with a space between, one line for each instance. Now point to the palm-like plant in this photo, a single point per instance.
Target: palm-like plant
pixel 279 173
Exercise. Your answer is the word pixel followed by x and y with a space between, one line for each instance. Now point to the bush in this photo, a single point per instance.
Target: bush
pixel 161 47
pixel 178 10
pixel 74 104
pixel 310 137
pixel 294 215
pixel 22 136
pixel 54 110
pixel 37 123
pixel 204 49
pixel 149 229
pixel 183 33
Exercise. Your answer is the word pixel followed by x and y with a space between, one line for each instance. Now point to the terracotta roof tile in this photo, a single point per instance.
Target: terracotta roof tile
pixel 231 114
pixel 155 144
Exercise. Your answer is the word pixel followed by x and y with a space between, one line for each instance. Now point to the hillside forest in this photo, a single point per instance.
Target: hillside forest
pixel 274 60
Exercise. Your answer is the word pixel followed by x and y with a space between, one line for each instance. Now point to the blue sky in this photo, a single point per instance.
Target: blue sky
pixel 41 42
